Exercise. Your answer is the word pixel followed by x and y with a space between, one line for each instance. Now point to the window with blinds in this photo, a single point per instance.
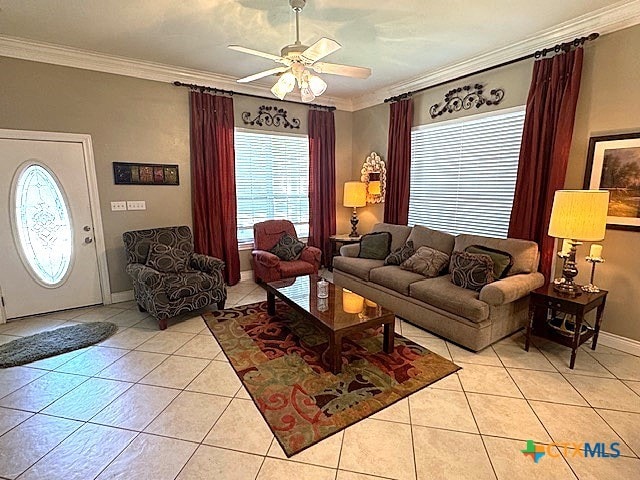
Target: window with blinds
pixel 272 180
pixel 463 173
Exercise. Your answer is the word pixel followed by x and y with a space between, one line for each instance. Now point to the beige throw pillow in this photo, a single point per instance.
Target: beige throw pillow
pixel 426 261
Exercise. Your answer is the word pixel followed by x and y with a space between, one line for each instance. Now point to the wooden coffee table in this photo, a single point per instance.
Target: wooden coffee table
pixel 341 314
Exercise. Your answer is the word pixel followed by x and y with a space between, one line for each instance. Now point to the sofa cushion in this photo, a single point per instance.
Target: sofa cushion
pixel 471 270
pixel 167 259
pixel 181 285
pixel 524 252
pixel 399 255
pixel 375 246
pixel 359 267
pixel 287 248
pixel 394 278
pixel 502 261
pixel 427 237
pixel 399 233
pixel 427 261
pixel 443 294
pixel 295 268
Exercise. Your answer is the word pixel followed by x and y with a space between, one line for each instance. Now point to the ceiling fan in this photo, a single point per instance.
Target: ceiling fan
pixel 299 60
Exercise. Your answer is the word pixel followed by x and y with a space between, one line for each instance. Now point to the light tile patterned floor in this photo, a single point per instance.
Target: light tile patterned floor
pixel 166 405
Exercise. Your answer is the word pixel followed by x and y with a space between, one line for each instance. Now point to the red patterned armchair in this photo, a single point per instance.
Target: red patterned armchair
pixel 267 267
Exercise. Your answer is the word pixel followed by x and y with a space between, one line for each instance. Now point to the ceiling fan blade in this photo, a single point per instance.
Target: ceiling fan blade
pixel 320 49
pixel 346 70
pixel 266 73
pixel 275 58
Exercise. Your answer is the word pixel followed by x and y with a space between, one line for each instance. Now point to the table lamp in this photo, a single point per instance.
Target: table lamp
pixel 577 216
pixel 355 195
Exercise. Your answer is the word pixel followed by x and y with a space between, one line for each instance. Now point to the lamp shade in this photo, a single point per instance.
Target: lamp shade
pixel 355 194
pixel 579 215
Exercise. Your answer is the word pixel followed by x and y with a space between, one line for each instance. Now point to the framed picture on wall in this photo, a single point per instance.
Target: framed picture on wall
pixel 145 174
pixel 613 164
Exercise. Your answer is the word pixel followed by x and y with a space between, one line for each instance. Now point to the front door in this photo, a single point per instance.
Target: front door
pixel 48 258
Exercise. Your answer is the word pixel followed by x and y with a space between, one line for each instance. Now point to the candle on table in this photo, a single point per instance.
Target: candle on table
pixel 566 246
pixel 596 251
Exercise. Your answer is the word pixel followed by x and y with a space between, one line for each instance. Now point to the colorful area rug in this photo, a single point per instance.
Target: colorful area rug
pixel 279 361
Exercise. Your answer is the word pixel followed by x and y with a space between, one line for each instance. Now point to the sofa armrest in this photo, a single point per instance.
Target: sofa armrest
pixel 351 250
pixel 267 259
pixel 511 288
pixel 206 263
pixel 311 255
pixel 145 275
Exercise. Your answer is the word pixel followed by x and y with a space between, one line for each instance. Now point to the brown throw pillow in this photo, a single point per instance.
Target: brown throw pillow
pixel 166 259
pixel 426 261
pixel 471 270
pixel 400 254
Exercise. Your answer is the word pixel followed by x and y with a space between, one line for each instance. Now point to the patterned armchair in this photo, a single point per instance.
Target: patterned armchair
pixel 173 290
pixel 267 267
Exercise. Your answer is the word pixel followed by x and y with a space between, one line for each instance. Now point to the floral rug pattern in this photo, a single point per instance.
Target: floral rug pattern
pixel 279 359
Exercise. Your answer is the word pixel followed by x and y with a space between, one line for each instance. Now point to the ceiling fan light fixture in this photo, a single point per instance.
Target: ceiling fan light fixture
pixel 279 90
pixel 306 94
pixel 299 60
pixel 288 81
pixel 317 85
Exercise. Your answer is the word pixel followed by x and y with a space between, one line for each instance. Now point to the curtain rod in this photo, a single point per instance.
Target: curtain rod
pixel 565 47
pixel 203 88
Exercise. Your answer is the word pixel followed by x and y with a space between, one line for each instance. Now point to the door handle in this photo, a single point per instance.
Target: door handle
pixel 88 239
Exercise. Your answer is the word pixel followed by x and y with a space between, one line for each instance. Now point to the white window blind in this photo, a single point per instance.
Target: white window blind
pixel 272 180
pixel 463 173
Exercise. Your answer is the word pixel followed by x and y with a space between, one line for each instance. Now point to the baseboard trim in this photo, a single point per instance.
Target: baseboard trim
pixel 246 275
pixel 619 343
pixel 125 296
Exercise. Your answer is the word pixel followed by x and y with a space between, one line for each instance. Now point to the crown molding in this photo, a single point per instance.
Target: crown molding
pixel 621 15
pixel 616 17
pixel 24 49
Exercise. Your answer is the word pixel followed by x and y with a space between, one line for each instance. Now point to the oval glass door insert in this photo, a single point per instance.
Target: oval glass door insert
pixel 43 225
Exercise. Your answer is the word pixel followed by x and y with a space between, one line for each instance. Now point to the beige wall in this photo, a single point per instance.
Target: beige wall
pixel 609 103
pixel 370 134
pixel 130 120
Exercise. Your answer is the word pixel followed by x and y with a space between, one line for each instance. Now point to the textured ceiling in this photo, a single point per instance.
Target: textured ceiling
pixel 398 39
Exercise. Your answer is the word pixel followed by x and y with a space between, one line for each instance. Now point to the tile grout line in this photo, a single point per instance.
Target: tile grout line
pixel 86 422
pixel 232 398
pixel 54 447
pixel 538 418
pixel 486 450
pixel 413 443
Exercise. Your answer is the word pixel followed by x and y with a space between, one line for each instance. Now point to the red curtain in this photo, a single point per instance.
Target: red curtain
pixel 213 180
pixel 544 153
pixel 396 206
pixel 322 180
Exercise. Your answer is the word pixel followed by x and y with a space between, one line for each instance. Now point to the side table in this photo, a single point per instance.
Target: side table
pixel 546 299
pixel 336 242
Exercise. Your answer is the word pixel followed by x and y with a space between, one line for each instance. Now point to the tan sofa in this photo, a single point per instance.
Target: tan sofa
pixel 469 318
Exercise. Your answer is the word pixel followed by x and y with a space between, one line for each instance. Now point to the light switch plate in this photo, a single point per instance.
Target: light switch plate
pixel 136 205
pixel 118 206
